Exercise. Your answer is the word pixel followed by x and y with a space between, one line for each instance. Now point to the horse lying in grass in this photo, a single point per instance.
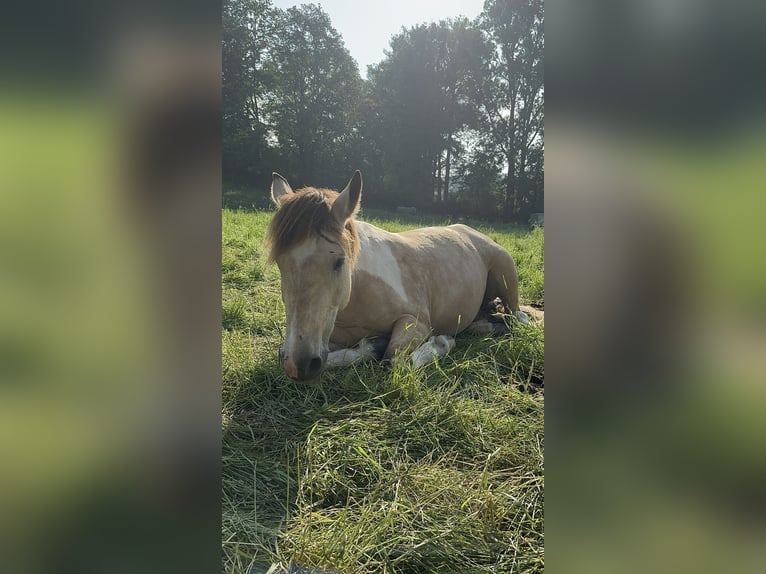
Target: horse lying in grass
pixel 352 290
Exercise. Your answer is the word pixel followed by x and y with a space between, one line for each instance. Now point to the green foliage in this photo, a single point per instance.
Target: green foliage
pixel 436 469
pixel 317 89
pixel 423 90
pixel 248 26
pixel 450 121
pixel 511 100
pixel 290 89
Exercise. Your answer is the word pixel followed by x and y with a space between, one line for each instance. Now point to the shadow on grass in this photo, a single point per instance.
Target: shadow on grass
pixel 304 463
pixel 267 421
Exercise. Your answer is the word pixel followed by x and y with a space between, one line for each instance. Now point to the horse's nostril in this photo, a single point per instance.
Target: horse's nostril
pixel 310 369
pixel 315 365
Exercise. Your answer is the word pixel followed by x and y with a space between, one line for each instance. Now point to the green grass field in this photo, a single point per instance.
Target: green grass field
pixel 438 469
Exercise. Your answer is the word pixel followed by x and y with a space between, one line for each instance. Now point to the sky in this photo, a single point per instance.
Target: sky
pixel 367 25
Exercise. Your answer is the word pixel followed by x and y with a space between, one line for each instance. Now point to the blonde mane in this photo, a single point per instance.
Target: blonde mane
pixel 305 214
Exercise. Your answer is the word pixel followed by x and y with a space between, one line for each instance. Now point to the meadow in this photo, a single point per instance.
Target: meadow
pixel 435 469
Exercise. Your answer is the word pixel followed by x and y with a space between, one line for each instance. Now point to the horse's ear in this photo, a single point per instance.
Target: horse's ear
pixel 280 189
pixel 347 203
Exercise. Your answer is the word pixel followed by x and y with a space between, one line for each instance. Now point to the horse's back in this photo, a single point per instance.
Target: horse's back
pixel 444 274
pixel 484 244
pixel 452 263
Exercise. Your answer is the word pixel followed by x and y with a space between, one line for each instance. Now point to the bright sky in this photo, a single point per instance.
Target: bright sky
pixel 367 25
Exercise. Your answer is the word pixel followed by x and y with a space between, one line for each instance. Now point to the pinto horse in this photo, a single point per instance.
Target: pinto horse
pixel 352 290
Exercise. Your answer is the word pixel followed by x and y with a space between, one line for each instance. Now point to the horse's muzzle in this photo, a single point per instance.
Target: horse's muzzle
pixel 305 369
pixel 310 369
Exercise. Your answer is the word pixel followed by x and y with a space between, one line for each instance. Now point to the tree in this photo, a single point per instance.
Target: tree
pixel 480 186
pixel 459 72
pixel 316 92
pixel 451 118
pixel 512 99
pixel 246 81
pixel 422 90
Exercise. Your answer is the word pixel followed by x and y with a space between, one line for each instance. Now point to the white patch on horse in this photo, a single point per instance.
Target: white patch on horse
pixel 345 357
pixel 303 252
pixel 298 256
pixel 383 265
pixel 432 349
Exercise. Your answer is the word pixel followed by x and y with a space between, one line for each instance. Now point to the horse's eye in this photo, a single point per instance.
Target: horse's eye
pixel 339 263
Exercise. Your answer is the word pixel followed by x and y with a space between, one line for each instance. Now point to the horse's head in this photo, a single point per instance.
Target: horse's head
pixel 313 241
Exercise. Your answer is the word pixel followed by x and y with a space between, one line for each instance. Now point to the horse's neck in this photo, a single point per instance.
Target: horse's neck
pixel 369 272
pixel 370 238
pixel 377 262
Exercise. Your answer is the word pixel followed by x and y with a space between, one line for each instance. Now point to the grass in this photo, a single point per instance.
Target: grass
pixel 437 469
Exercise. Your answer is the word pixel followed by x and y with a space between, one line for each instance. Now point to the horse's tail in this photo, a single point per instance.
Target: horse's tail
pixel 501 296
pixel 503 281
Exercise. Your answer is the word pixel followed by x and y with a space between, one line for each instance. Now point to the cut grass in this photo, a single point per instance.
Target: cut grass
pixel 436 469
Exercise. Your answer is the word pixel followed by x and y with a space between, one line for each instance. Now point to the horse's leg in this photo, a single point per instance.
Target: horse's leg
pixel 407 334
pixel 497 328
pixel 367 348
pixel 371 347
pixel 346 357
pixel 411 334
pixel 537 315
pixel 488 328
pixel 432 349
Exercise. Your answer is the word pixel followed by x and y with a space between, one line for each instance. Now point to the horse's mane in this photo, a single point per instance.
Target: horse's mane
pixel 307 213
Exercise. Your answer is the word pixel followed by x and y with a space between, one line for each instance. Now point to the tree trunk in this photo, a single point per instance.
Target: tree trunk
pixel 439 176
pixel 523 188
pixel 447 167
pixel 510 188
pixel 510 191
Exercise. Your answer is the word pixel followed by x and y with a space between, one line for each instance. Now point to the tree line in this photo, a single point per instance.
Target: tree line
pixel 450 121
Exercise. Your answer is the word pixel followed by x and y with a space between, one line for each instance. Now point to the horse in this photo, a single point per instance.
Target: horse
pixel 352 290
